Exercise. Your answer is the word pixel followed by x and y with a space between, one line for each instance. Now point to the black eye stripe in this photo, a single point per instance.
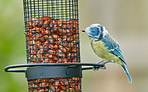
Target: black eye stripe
pixel 101 27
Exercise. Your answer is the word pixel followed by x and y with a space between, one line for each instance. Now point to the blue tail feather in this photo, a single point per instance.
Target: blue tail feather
pixel 127 73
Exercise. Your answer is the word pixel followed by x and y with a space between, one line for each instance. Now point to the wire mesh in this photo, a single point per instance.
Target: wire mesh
pixel 71 84
pixel 52 36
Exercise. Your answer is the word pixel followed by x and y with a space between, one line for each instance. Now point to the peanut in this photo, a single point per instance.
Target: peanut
pixel 51 40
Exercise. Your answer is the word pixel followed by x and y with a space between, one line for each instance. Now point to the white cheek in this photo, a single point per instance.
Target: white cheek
pixel 87 30
pixel 105 32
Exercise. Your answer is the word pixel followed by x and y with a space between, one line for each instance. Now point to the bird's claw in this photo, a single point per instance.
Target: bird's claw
pixel 104 67
pixel 95 68
pixel 103 63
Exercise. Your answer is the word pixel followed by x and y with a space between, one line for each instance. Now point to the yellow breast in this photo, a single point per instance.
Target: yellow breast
pixel 103 52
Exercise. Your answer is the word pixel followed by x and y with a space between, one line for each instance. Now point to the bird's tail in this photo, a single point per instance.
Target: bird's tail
pixel 127 73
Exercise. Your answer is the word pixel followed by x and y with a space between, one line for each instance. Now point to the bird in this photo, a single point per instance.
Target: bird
pixel 106 47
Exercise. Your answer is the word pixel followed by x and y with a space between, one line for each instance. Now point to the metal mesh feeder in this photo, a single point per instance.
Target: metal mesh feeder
pixel 51 29
pixel 52 44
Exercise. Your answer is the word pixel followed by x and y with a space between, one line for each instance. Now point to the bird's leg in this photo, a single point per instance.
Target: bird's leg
pixel 103 63
pixel 106 62
pixel 104 67
pixel 100 62
pixel 95 68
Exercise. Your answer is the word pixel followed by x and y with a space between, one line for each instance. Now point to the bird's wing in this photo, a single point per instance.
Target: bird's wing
pixel 113 47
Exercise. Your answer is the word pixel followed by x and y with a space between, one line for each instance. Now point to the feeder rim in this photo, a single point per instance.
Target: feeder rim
pixel 91 66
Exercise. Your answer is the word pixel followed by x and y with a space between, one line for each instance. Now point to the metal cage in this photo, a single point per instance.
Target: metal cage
pixel 52 36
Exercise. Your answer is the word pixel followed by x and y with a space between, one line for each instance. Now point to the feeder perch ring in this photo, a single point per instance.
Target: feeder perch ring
pixel 53 70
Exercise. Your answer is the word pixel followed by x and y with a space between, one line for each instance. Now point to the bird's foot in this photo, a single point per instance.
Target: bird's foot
pixel 103 63
pixel 104 67
pixel 95 68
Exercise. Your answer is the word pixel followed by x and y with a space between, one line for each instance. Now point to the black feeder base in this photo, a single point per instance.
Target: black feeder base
pixel 53 70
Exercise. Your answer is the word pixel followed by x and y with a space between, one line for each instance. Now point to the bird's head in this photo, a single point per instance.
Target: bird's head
pixel 95 31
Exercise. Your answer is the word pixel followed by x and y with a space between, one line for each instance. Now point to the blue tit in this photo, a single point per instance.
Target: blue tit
pixel 105 46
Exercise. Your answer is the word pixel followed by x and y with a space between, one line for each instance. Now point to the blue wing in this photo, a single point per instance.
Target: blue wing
pixel 113 47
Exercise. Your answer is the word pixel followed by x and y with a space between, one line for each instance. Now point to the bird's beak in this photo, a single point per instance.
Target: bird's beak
pixel 83 30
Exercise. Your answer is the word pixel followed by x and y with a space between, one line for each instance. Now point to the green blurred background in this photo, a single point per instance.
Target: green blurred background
pixel 126 21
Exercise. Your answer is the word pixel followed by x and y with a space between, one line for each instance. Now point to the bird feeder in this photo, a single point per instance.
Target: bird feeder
pixel 52 46
pixel 52 36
